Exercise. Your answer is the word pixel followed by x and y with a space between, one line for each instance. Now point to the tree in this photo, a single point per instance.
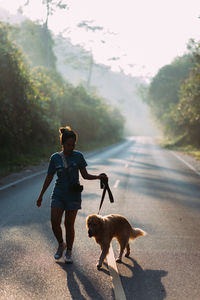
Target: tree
pixel 35 102
pixel 22 119
pixel 163 94
pixel 165 85
pixel 51 6
pixel 30 37
pixel 187 113
pixel 86 25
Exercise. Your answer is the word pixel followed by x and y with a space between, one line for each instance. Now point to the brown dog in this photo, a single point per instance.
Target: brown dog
pixel 103 229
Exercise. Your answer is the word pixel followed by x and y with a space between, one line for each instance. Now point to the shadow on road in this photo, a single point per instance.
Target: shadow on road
pixel 164 188
pixel 79 284
pixel 143 284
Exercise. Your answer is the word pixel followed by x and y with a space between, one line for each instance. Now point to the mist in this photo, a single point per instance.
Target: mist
pixel 117 88
pixel 64 86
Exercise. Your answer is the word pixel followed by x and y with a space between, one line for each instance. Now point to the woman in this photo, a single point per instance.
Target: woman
pixel 66 195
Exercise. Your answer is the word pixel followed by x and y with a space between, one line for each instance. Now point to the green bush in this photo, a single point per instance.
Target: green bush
pixel 36 102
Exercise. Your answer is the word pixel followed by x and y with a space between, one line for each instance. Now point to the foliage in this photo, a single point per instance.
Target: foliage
pixel 174 96
pixel 65 104
pixel 187 113
pixel 163 93
pixel 84 110
pixel 21 115
pixel 31 37
pixel 51 6
pixel 44 33
pixel 34 103
pixel 165 85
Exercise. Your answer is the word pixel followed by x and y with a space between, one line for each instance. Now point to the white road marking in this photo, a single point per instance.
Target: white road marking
pixel 117 285
pixel 116 183
pixel 126 165
pixel 185 162
pixel 21 180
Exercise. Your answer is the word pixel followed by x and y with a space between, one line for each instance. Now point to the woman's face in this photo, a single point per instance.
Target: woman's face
pixel 69 146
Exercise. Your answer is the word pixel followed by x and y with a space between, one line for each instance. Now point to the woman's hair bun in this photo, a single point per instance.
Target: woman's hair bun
pixel 64 129
pixel 66 133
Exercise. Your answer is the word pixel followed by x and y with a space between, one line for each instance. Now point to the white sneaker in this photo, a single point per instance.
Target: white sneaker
pixel 68 257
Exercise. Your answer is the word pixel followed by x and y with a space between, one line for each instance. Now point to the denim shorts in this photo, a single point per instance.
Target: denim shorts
pixel 66 204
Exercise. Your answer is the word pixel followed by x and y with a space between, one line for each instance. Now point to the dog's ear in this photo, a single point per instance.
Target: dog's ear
pixel 87 219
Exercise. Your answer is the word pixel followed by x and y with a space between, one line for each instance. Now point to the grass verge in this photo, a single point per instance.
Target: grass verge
pixel 18 162
pixel 185 149
pixel 38 156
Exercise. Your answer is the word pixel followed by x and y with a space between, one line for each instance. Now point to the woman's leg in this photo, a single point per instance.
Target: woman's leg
pixel 56 218
pixel 70 216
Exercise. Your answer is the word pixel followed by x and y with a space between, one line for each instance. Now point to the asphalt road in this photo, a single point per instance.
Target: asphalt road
pixel 152 188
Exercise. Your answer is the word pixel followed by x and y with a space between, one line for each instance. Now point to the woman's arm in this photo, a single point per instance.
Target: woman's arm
pixel 46 184
pixel 86 175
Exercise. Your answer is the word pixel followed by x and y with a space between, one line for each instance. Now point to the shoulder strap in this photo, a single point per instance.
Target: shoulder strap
pixel 63 159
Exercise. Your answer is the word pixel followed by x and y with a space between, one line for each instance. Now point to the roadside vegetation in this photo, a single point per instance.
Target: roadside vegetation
pixel 35 101
pixel 174 98
pixel 170 143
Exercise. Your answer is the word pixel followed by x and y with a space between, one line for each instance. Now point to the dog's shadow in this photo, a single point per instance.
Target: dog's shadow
pixel 143 284
pixel 140 285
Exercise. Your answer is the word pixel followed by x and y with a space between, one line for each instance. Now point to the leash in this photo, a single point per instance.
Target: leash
pixel 105 186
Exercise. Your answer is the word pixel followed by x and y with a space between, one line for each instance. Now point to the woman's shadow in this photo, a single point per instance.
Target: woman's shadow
pixel 143 284
pixel 80 285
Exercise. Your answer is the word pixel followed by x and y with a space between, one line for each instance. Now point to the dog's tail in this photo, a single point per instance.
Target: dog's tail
pixel 137 232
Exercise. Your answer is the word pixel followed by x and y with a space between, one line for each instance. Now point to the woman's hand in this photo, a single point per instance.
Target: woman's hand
pixel 39 201
pixel 46 183
pixel 102 176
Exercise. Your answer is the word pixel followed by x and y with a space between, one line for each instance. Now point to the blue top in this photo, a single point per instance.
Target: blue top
pixel 65 179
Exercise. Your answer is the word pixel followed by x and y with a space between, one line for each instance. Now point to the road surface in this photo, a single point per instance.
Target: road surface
pixel 153 188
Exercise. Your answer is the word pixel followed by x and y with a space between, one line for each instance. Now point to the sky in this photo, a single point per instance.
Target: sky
pixel 138 36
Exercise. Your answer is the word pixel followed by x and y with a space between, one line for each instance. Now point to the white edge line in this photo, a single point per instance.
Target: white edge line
pixel 87 155
pixel 116 183
pixel 126 164
pixel 117 285
pixel 186 163
pixel 21 180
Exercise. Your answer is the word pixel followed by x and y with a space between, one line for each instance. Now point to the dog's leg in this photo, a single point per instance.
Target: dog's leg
pixel 127 250
pixel 122 247
pixel 103 255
